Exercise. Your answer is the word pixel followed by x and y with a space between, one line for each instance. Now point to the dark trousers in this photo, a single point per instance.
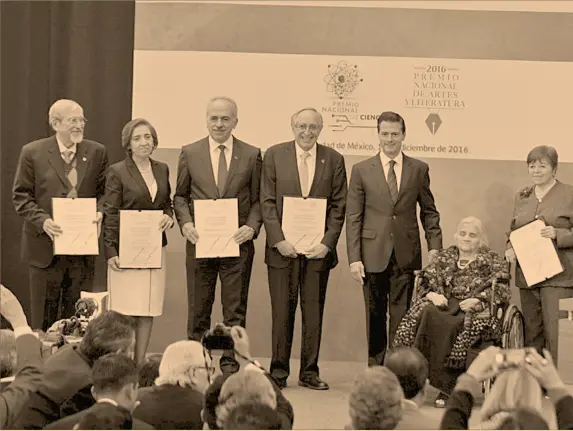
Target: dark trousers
pixel 540 308
pixel 235 275
pixel 285 285
pixel 391 289
pixel 55 290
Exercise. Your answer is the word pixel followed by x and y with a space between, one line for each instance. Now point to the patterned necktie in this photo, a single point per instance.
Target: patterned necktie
pixel 222 172
pixel 71 173
pixel 392 182
pixel 303 172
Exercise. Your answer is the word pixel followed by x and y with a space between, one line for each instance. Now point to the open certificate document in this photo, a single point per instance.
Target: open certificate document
pixel 536 255
pixel 303 221
pixel 216 222
pixel 140 239
pixel 79 232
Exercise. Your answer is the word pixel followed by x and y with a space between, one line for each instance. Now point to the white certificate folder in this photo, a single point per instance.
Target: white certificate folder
pixel 140 239
pixel 76 217
pixel 536 255
pixel 303 221
pixel 216 221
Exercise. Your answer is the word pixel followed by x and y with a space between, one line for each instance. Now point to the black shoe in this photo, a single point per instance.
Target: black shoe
pixel 313 382
pixel 281 383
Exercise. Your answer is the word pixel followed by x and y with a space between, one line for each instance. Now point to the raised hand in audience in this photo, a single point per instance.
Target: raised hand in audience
pixel 11 308
pixel 543 369
pixel 485 365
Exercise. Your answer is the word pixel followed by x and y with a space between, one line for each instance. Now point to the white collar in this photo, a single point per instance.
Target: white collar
pixel 399 159
pixel 109 401
pixel 214 144
pixel 63 148
pixel 299 150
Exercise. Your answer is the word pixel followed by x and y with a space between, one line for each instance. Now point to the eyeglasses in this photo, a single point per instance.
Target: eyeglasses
pixel 76 120
pixel 311 127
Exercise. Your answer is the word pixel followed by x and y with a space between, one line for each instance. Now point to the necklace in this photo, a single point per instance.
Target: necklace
pixel 144 171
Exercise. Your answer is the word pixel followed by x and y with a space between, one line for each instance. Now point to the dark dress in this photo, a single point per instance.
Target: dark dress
pixel 444 335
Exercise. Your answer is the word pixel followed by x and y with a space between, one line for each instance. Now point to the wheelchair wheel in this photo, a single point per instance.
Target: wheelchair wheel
pixel 513 329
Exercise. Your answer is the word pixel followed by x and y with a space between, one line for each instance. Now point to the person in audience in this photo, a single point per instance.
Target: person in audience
pixel 515 400
pixel 149 370
pixel 105 416
pixel 115 384
pixel 63 165
pixel 411 368
pixel 451 313
pixel 21 364
pixel 66 386
pixel 219 166
pixel 376 400
pixel 137 183
pixel 301 168
pixel 242 353
pixel 383 234
pixel 252 416
pixel 550 201
pixel 176 399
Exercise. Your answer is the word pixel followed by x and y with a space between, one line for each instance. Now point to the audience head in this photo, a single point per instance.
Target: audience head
pixel 542 164
pixel 67 119
pixel 243 387
pixel 115 377
pixel 7 353
pixel 185 363
pixel 376 400
pixel 470 235
pixel 306 125
pixel 110 332
pixel 252 416
pixel 105 417
pixel 149 370
pixel 411 369
pixel 391 133
pixel 222 118
pixel 139 138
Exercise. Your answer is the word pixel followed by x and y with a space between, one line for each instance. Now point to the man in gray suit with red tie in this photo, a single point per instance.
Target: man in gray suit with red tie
pixel 382 233
pixel 219 166
pixel 301 168
pixel 63 165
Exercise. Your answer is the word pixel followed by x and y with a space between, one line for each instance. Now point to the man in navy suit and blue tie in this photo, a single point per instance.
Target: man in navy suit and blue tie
pixel 382 233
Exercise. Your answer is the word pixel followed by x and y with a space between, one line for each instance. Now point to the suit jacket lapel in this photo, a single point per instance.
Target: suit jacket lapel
pixel 158 178
pixel 291 154
pixel 377 171
pixel 205 160
pixel 235 161
pixel 138 178
pixel 55 159
pixel 81 163
pixel 318 168
pixel 406 176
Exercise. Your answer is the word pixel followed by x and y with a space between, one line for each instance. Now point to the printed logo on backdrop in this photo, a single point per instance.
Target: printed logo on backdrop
pixel 436 88
pixel 341 110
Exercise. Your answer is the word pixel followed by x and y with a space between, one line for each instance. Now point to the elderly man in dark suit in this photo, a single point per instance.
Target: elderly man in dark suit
pixel 219 166
pixel 382 233
pixel 301 168
pixel 63 165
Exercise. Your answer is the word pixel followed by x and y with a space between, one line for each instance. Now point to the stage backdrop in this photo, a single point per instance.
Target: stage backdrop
pixel 478 90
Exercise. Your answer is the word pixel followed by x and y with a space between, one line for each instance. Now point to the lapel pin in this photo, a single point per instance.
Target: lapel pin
pixel 321 160
pixel 236 158
pixel 83 159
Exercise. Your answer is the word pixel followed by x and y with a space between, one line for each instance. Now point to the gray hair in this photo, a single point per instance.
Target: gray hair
pixel 227 99
pixel 296 114
pixel 476 222
pixel 177 360
pixel 55 112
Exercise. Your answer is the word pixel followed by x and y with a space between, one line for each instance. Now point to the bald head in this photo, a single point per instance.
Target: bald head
pixel 67 119
pixel 306 125
pixel 411 368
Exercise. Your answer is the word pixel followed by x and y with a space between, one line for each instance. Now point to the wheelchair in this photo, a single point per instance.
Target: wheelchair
pixel 513 325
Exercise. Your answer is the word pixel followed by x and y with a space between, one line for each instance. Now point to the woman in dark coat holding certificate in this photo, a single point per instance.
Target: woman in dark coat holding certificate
pixel 551 201
pixel 136 183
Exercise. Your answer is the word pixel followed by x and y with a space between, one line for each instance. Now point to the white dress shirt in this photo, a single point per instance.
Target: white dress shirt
pixel 108 401
pixel 311 164
pixel 63 148
pixel 399 159
pixel 216 153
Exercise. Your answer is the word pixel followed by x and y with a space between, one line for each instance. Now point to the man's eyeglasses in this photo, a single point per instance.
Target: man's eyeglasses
pixel 76 120
pixel 311 127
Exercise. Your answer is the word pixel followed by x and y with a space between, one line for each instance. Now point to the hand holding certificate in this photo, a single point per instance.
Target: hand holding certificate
pixel 79 231
pixel 140 239
pixel 216 222
pixel 303 221
pixel 536 255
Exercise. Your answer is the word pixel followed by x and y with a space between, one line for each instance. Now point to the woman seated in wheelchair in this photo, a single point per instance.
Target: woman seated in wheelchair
pixel 451 310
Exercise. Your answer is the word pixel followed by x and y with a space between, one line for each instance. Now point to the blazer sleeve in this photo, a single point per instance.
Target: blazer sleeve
pixel 29 376
pixel 336 205
pixel 512 223
pixel 112 204
pixel 429 215
pixel 255 219
pixel 23 192
pixel 354 216
pixel 182 198
pixel 101 180
pixel 168 204
pixel 269 201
